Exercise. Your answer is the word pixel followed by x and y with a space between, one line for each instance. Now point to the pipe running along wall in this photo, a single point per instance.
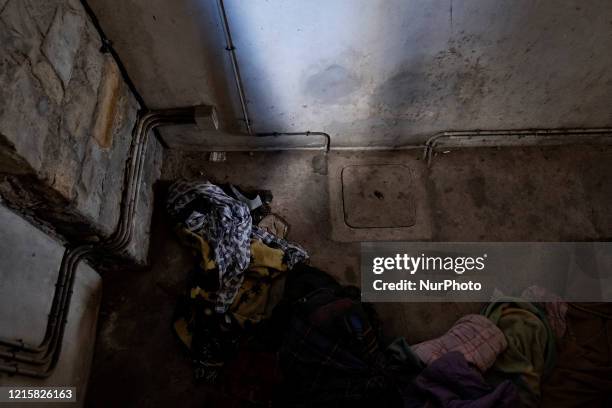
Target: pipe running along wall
pixel 235 68
pixel 562 136
pixel 40 360
pixel 429 146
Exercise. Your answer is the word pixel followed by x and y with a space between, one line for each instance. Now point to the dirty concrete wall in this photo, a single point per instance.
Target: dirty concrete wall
pixel 66 118
pixel 380 72
pixel 174 52
pixel 29 261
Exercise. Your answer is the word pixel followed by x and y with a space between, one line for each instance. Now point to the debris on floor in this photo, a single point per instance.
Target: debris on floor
pixel 237 262
pixel 318 345
pixel 274 224
pixel 333 355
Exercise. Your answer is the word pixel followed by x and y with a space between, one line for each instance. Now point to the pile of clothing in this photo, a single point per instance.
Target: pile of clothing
pixel 332 354
pixel 237 262
pixel 323 347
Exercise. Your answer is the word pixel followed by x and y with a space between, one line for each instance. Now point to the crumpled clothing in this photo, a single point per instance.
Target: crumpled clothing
pixel 205 210
pixel 225 223
pixel 270 256
pixel 450 382
pixel 477 338
pixel 293 253
pixel 531 345
pixel 251 302
pixel 331 356
pixel 213 339
pixel 553 304
pixel 237 264
pixel 330 353
pixel 274 224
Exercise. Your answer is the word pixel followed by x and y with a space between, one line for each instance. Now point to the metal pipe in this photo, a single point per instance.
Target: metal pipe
pixel 234 59
pixel 431 143
pixel 56 306
pixel 62 277
pixel 48 352
pixel 327 144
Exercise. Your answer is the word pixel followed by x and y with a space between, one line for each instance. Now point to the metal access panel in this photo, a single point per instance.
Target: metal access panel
pixel 378 196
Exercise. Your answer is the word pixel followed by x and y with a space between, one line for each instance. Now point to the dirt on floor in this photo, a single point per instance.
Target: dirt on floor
pixel 510 194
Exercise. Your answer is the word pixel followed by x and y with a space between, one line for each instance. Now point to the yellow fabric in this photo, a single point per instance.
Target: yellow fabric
pixel 263 255
pixel 201 247
pixel 252 298
pixel 198 291
pixel 181 329
pixel 253 309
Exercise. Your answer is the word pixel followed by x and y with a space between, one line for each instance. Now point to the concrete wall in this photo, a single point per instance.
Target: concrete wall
pixel 376 72
pixel 66 118
pixel 29 263
pixel 175 53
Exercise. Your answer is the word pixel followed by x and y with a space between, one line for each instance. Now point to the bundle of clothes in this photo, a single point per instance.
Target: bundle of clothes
pixel 237 261
pixel 327 344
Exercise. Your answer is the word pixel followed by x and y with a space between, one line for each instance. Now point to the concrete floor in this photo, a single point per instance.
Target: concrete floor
pixel 511 194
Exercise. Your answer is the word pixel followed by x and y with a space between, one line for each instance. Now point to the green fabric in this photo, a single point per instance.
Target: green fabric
pixel 531 345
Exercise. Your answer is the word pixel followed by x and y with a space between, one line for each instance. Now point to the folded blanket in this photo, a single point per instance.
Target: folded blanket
pixel 477 338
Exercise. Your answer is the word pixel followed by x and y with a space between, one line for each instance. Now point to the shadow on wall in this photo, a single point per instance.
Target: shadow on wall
pixel 221 83
pixel 385 83
pixel 393 73
pixel 174 52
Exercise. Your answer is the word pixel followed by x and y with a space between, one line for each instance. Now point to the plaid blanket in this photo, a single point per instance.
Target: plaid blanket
pixel 476 337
